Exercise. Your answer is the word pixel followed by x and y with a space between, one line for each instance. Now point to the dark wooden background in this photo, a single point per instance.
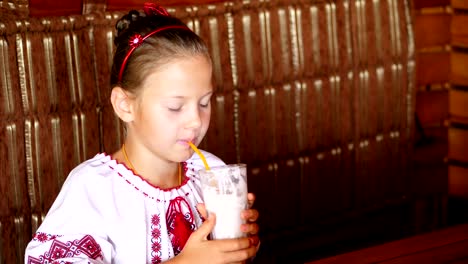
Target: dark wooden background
pixel 319 98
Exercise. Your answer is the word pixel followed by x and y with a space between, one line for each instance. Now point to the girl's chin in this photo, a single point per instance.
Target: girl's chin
pixel 186 155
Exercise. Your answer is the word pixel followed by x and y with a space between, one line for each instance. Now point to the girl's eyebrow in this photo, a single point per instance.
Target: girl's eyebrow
pixel 182 97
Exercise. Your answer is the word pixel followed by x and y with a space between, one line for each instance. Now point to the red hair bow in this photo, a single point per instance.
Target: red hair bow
pixel 152 9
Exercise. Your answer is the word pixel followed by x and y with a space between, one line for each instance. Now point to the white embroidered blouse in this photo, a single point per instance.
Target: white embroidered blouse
pixel 106 214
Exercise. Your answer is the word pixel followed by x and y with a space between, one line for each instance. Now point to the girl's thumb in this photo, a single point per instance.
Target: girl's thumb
pixel 207 226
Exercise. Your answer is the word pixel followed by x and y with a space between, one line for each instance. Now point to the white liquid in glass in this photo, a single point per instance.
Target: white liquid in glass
pixel 228 208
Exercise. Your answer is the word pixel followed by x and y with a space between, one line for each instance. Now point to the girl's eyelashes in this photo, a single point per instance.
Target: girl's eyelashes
pixel 206 101
pixel 174 108
pixel 177 107
pixel 205 105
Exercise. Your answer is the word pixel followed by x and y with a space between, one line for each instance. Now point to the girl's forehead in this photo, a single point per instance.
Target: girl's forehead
pixel 181 75
pixel 181 66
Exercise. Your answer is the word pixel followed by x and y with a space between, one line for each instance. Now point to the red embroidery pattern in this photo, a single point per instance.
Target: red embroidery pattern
pixel 184 167
pixel 156 239
pixel 87 246
pixel 180 223
pixel 43 237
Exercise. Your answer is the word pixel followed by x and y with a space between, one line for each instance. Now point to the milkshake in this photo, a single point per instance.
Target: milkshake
pixel 224 192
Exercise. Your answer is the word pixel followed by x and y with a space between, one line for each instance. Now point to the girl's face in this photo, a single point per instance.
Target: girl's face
pixel 173 107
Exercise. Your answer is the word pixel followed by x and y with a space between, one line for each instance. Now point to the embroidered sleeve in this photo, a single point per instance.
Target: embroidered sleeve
pixel 74 229
pixel 47 248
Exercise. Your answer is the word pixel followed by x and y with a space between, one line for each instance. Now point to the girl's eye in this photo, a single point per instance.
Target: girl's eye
pixel 206 102
pixel 174 109
pixel 205 105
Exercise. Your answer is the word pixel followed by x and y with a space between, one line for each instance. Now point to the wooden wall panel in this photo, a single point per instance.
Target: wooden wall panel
pixel 317 97
pixel 459 4
pixel 113 5
pixel 459 30
pixel 458 181
pixel 15 214
pixel 418 4
pixel 40 8
pixel 459 66
pixel 433 68
pixel 458 133
pixel 50 119
pixel 16 8
pixel 431 29
pixel 458 143
pixel 458 104
pixel 433 107
pixel 433 54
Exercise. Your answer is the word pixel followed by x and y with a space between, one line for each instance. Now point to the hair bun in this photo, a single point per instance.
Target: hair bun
pixel 124 23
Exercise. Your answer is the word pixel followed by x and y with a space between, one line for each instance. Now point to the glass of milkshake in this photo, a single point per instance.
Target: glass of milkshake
pixel 224 192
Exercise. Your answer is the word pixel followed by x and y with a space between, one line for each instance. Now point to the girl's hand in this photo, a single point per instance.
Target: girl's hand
pixel 251 216
pixel 199 249
pixel 251 227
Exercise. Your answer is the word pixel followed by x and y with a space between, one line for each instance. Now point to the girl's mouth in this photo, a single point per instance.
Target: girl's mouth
pixel 186 141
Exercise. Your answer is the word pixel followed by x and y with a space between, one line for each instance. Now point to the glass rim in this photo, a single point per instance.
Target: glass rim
pixel 225 166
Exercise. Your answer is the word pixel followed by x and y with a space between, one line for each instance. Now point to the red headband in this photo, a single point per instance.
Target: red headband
pixel 137 40
pixel 150 9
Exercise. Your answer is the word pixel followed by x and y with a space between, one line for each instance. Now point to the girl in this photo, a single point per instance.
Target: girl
pixel 142 203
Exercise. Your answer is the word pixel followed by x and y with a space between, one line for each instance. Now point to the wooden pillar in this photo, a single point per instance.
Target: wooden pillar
pixel 432 42
pixel 458 102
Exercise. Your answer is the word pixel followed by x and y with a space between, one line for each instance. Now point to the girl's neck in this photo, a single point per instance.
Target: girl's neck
pixel 158 172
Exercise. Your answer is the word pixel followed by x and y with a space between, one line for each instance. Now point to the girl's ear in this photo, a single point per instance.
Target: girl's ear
pixel 122 104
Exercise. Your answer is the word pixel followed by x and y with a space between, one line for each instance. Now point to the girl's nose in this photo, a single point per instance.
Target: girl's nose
pixel 194 120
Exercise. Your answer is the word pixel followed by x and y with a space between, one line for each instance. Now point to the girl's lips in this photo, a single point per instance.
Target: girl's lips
pixel 185 141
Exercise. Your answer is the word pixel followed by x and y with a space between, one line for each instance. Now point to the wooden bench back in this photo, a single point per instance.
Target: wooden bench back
pixel 317 97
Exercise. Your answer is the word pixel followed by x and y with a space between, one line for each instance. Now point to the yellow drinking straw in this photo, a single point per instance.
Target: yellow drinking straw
pixel 199 154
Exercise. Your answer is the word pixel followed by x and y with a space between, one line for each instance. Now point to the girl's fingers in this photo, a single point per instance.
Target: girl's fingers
pixel 202 210
pixel 206 228
pixel 241 255
pixel 250 200
pixel 233 245
pixel 254 241
pixel 251 215
pixel 251 229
